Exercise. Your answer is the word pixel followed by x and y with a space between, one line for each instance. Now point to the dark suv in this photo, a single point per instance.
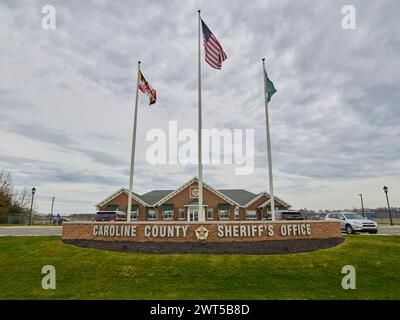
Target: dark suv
pixel 286 215
pixel 110 216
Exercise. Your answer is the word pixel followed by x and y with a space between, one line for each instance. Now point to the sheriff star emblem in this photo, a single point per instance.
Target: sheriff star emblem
pixel 201 233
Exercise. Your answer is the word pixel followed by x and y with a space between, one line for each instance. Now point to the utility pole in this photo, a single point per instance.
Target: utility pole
pixel 51 211
pixel 362 204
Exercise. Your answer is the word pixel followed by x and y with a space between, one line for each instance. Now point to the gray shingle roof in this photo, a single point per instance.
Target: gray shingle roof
pixel 241 196
pixel 153 196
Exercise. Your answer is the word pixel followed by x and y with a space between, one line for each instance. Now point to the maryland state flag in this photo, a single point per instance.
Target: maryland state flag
pixel 147 89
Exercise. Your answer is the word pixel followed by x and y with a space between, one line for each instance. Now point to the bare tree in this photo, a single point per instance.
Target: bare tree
pixel 21 202
pixel 6 191
pixel 11 201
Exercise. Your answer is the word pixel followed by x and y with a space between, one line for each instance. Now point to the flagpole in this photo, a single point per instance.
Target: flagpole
pixel 128 215
pixel 271 183
pixel 200 165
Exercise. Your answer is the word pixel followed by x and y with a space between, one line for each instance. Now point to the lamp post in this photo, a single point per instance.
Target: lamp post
pixel 362 204
pixel 51 211
pixel 30 212
pixel 386 189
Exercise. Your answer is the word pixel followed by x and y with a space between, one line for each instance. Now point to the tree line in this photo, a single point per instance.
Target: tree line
pixel 12 201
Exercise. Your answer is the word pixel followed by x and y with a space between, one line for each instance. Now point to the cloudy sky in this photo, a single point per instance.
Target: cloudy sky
pixel 67 96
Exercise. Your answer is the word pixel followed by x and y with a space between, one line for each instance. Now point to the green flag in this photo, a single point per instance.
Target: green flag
pixel 269 87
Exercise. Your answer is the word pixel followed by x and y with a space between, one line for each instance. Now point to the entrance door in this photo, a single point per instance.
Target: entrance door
pixel 194 215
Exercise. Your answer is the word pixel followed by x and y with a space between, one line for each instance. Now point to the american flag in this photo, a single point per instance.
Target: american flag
pixel 213 50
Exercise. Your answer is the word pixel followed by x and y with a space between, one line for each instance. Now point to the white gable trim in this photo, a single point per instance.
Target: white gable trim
pixel 255 199
pixel 267 202
pixel 187 184
pixel 116 194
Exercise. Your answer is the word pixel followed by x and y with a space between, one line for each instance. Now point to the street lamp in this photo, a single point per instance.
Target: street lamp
pixel 30 213
pixel 362 204
pixel 386 189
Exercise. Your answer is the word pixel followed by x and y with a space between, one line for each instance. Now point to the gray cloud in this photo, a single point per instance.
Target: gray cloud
pixel 335 116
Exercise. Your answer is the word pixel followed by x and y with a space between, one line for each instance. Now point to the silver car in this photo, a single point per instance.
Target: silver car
pixel 353 222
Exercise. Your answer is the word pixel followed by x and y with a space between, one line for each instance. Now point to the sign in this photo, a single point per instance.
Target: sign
pixel 200 231
pixel 227 231
pixel 194 192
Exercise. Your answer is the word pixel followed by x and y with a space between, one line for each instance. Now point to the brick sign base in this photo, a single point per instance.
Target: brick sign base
pixel 218 231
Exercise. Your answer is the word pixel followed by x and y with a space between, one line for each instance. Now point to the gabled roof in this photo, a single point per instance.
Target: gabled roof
pixel 260 195
pixel 205 185
pixel 241 196
pixel 135 196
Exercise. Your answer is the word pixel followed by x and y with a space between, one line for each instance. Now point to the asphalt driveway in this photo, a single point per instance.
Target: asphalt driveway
pixel 31 231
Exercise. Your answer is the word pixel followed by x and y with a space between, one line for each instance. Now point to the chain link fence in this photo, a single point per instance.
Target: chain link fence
pixel 44 219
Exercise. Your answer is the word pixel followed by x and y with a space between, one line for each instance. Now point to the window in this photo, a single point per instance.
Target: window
pixel 223 214
pixel 152 214
pixel 210 214
pixel 111 207
pixel 182 214
pixel 251 214
pixel 223 211
pixel 134 212
pixel 168 214
pixel 168 211
pixel 353 216
pixel 237 215
pixel 334 216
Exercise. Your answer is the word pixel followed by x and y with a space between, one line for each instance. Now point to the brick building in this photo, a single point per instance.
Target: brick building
pixel 182 204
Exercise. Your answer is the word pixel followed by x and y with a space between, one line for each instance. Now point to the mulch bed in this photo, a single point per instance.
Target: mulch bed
pixel 259 247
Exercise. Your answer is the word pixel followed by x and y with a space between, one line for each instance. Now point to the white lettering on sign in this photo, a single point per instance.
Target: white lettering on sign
pixel 295 230
pixel 236 231
pixel 181 231
pixel 114 230
pixel 165 231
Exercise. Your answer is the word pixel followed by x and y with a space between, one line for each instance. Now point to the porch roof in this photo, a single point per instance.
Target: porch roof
pixel 194 202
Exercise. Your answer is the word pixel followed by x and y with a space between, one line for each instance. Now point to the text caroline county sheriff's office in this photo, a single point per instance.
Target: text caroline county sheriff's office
pixel 181 231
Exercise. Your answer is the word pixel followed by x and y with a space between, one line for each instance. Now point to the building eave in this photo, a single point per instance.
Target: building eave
pixel 116 194
pixel 268 196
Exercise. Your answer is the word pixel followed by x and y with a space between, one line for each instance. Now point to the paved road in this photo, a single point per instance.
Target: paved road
pixel 30 231
pixel 392 230
pixel 51 231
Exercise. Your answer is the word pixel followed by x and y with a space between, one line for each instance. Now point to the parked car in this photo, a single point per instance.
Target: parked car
pixel 316 217
pixel 286 215
pixel 354 222
pixel 110 216
pixel 60 220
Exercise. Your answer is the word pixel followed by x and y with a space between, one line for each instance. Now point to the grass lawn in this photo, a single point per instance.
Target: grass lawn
pixel 91 274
